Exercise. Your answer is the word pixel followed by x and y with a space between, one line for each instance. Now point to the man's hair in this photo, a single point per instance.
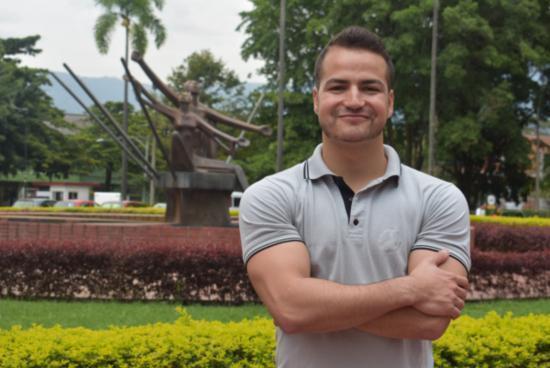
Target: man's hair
pixel 358 38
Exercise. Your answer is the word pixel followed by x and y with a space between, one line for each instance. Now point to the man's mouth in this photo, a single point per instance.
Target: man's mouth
pixel 354 117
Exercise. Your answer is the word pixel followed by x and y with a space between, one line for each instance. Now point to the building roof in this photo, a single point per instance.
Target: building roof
pixel 544 139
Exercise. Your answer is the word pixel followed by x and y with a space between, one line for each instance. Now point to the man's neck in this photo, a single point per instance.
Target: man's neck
pixel 358 163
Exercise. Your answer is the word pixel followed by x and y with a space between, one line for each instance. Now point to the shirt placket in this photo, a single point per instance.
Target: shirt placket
pixel 357 218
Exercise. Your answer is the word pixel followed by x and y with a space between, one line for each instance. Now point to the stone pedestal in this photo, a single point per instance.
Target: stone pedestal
pixel 198 199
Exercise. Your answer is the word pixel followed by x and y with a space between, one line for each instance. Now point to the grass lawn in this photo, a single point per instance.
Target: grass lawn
pixel 99 315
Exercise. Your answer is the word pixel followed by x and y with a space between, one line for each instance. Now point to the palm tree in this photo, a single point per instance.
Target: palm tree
pixel 138 19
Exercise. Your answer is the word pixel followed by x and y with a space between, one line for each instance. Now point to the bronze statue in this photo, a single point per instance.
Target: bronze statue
pixel 195 137
pixel 199 187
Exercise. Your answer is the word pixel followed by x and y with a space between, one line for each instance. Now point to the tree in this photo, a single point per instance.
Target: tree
pixel 492 59
pixel 220 86
pixel 223 90
pixel 138 19
pixel 28 121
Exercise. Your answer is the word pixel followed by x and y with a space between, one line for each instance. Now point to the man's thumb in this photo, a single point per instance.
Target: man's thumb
pixel 441 257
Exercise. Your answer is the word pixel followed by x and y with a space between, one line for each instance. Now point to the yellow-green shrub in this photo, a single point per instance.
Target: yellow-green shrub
pixel 495 341
pixel 185 343
pixel 492 341
pixel 524 221
pixel 126 210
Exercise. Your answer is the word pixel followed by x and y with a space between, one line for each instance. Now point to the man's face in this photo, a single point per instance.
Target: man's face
pixel 353 100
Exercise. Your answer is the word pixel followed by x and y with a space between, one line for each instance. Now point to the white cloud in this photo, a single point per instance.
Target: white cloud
pixel 66 27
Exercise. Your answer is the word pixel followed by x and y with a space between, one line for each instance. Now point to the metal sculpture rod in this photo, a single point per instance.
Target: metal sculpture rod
pixel 148 118
pixel 109 117
pixel 151 174
pixel 248 120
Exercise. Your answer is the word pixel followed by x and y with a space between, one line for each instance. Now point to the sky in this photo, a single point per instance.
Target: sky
pixel 66 29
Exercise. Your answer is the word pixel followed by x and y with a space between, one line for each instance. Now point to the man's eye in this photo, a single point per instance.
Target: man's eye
pixel 372 89
pixel 336 88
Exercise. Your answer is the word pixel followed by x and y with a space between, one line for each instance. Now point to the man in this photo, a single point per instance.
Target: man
pixel 360 260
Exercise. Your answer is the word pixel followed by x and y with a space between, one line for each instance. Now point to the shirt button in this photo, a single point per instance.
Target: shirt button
pixel 356 222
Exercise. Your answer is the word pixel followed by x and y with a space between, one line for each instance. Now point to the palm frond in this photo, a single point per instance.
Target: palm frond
pixel 106 4
pixel 159 31
pixel 139 38
pixel 103 30
pixel 159 4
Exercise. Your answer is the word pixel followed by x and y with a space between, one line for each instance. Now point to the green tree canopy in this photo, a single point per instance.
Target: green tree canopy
pixel 493 61
pixel 220 86
pixel 28 138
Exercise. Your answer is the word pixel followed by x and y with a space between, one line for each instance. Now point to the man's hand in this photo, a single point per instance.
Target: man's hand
pixel 438 292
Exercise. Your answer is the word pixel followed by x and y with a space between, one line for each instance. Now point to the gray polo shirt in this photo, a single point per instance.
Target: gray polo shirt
pixel 403 210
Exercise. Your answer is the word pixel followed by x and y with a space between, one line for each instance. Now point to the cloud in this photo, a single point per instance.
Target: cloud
pixel 66 27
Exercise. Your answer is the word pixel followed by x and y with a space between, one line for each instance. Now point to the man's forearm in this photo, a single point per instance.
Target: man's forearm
pixel 300 303
pixel 316 305
pixel 407 323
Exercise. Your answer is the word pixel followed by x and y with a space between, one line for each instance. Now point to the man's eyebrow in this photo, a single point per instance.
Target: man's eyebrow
pixel 345 81
pixel 372 81
pixel 337 81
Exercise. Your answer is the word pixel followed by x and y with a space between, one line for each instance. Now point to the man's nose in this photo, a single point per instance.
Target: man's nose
pixel 354 98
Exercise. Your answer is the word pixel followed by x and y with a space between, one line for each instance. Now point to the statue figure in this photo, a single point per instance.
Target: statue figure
pixel 198 192
pixel 195 137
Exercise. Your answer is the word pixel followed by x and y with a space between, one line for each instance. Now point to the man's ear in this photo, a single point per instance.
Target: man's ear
pixel 390 103
pixel 315 95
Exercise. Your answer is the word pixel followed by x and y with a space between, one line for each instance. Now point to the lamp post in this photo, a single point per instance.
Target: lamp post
pixel 433 116
pixel 150 147
pixel 281 89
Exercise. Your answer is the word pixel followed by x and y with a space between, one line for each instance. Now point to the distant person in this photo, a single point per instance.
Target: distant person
pixel 360 259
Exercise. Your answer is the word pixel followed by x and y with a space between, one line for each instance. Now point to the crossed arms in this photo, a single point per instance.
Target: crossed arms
pixel 419 305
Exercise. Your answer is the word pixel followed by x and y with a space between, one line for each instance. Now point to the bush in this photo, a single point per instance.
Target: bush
pixel 509 275
pixel 127 210
pixel 495 341
pixel 191 272
pixel 504 238
pixel 492 341
pixel 529 221
pixel 180 270
pixel 185 343
pixel 525 263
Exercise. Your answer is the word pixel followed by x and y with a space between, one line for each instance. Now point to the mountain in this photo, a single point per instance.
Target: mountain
pixel 104 88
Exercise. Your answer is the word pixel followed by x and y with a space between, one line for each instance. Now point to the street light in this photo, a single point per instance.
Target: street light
pixel 149 147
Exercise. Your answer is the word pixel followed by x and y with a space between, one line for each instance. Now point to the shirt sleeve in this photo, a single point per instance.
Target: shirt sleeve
pixel 265 217
pixel 446 224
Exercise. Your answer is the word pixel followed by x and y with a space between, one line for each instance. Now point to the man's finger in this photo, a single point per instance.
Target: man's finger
pixel 459 303
pixel 461 293
pixel 440 257
pixel 462 282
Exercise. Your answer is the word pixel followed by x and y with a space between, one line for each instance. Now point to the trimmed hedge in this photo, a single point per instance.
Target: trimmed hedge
pixel 505 238
pixel 192 272
pixel 126 210
pixel 495 341
pixel 498 275
pixel 525 263
pixel 492 341
pixel 122 270
pixel 512 221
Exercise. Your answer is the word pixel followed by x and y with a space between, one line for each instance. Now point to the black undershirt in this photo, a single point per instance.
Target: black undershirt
pixel 346 192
